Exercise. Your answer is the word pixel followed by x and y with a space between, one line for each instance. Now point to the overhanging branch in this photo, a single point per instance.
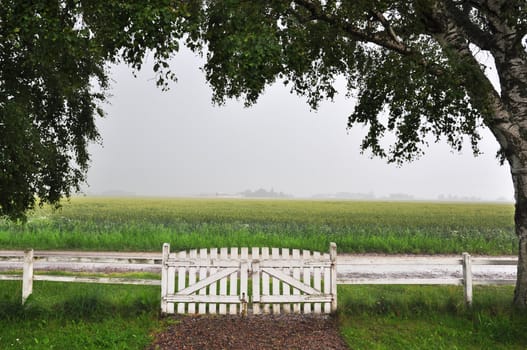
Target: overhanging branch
pixel 388 40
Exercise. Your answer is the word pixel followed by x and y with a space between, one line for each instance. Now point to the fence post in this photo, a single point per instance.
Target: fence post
pixel 467 279
pixel 27 276
pixel 164 278
pixel 333 258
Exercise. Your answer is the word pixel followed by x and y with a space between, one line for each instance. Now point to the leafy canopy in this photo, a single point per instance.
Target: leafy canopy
pixel 53 78
pixel 404 81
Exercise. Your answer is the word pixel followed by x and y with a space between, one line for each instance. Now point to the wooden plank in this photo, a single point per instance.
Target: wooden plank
pixel 198 298
pixel 198 262
pixel 467 279
pixel 10 277
pixel 12 258
pixel 286 289
pixel 193 253
pixel 317 283
pixel 224 254
pixel 98 260
pixel 402 281
pixel 203 254
pixel 213 286
pixel 306 278
pixel 327 285
pixel 233 282
pixel 102 280
pixel 275 255
pixel 497 262
pixel 171 278
pixel 494 282
pixel 296 276
pixel 265 280
pixel 276 299
pixel 164 278
pixel 255 254
pixel 281 263
pixel 333 259
pixel 347 261
pixel 171 288
pixel 182 280
pixel 244 280
pixel 27 275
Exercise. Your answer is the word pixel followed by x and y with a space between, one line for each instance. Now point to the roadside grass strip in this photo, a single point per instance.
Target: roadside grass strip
pixel 429 317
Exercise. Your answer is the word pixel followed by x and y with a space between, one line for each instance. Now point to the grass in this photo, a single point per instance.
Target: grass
pixel 143 224
pixel 86 316
pixel 78 316
pixel 429 317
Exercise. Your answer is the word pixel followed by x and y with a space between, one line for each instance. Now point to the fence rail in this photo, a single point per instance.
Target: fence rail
pixel 467 280
pixel 28 258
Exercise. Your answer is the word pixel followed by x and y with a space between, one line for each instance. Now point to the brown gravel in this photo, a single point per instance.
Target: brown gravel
pixel 257 332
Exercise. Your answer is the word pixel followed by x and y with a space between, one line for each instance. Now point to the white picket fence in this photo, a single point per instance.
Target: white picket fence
pixel 281 280
pixel 234 281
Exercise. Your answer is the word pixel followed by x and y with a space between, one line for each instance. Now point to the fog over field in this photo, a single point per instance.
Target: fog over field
pixel 177 143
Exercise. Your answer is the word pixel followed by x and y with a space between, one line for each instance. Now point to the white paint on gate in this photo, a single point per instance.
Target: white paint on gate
pixel 223 283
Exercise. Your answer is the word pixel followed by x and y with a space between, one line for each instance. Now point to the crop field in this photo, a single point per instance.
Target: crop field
pixel 143 224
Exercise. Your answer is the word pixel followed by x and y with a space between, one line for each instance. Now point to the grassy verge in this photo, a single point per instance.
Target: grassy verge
pixel 78 316
pixel 429 317
pixel 86 316
pixel 388 227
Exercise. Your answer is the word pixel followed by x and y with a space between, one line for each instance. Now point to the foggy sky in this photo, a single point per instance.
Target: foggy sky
pixel 177 143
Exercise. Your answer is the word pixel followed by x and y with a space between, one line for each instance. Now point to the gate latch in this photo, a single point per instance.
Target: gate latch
pixel 243 301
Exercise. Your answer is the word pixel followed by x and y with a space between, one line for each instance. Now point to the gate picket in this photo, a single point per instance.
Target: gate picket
pixel 213 285
pixel 202 307
pixel 296 276
pixel 286 289
pixel 233 282
pixel 306 279
pixel 265 280
pixel 316 282
pixel 223 282
pixel 182 279
pixel 275 255
pixel 192 278
pixel 255 255
pixel 327 284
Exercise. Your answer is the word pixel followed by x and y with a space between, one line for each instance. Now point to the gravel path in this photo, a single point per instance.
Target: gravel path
pixel 257 332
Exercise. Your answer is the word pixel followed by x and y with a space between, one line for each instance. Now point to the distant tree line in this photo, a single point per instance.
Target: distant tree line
pixel 263 193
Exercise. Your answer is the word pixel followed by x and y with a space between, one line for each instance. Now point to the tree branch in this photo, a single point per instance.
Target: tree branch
pixel 386 24
pixel 389 42
pixel 481 38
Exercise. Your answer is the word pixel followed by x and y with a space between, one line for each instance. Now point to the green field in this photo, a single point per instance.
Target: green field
pixel 143 224
pixel 86 316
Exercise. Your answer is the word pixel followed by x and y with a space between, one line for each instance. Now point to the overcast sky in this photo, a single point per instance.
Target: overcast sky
pixel 177 143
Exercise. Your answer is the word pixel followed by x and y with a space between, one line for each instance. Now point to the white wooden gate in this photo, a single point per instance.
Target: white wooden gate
pixel 232 281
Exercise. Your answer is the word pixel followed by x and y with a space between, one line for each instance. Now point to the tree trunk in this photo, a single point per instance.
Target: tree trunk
pixel 520 219
pixel 504 111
